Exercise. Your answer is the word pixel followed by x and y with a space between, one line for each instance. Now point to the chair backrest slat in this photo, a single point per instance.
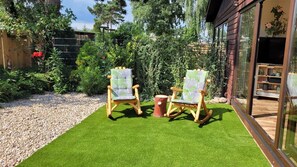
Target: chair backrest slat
pixel 193 83
pixel 292 86
pixel 121 82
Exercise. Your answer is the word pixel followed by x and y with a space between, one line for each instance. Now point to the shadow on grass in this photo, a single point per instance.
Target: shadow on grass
pixel 130 112
pixel 217 115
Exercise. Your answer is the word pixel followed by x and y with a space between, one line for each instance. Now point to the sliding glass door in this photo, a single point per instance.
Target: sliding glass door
pixel 288 143
pixel 221 52
pixel 243 59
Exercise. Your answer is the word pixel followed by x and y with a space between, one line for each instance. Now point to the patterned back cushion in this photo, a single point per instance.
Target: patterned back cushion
pixel 121 82
pixel 292 86
pixel 194 81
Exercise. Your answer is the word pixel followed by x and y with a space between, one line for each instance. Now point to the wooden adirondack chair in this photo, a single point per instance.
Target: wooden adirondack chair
pixel 192 98
pixel 120 91
pixel 292 88
pixel 291 112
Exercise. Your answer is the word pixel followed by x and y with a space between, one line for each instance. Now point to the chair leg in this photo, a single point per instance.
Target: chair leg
pixel 169 110
pixel 108 108
pixel 136 107
pixel 139 112
pixel 207 112
pixel 196 119
pixel 176 114
pixel 108 104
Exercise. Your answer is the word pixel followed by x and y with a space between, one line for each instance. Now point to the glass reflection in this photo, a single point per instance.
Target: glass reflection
pixel 244 55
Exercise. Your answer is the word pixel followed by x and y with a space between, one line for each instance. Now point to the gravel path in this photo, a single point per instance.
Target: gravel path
pixel 28 125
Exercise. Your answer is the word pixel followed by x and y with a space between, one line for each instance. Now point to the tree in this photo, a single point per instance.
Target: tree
pixel 109 13
pixel 39 19
pixel 195 12
pixel 125 33
pixel 159 17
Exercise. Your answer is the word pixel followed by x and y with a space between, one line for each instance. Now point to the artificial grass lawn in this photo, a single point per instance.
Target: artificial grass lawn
pixel 150 141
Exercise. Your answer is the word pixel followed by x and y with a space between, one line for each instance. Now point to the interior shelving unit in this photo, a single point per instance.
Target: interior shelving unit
pixel 268 80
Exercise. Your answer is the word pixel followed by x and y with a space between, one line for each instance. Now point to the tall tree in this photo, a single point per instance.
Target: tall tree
pixel 37 18
pixel 195 11
pixel 159 17
pixel 110 12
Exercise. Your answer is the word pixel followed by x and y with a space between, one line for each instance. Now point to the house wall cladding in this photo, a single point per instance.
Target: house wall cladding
pixel 229 13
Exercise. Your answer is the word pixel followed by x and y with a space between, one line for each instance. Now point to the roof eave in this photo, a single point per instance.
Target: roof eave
pixel 212 9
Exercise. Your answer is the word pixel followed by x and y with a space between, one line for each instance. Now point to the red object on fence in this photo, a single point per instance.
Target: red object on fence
pixel 37 54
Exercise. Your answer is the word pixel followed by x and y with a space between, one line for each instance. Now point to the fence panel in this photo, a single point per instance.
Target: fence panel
pixel 14 52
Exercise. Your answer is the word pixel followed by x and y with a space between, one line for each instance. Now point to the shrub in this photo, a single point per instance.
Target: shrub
pixel 92 81
pixel 9 91
pixel 19 84
pixel 55 72
pixel 92 68
pixel 161 63
pixel 217 68
pixel 118 56
pixel 40 82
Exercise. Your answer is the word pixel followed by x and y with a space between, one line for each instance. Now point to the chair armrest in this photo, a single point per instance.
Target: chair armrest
pixel 176 89
pixel 202 92
pixel 135 86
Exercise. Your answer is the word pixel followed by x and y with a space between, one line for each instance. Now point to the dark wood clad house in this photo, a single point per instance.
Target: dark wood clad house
pixel 259 38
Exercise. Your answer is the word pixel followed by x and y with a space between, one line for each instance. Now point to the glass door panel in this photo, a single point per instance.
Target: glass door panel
pixel 221 52
pixel 244 56
pixel 289 136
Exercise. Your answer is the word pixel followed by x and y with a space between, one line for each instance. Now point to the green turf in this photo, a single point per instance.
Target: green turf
pixel 149 141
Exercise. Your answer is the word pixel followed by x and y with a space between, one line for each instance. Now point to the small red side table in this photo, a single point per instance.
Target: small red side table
pixel 160 105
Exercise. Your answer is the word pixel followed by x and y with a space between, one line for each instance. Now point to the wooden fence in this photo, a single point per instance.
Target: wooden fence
pixel 14 52
pixel 70 45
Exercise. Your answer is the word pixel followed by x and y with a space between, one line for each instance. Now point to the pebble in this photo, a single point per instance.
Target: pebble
pixel 29 124
pixel 218 100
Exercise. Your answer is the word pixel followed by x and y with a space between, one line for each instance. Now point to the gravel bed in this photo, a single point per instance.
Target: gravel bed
pixel 28 125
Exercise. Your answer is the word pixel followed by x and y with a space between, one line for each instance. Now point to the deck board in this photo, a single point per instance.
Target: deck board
pixel 265 113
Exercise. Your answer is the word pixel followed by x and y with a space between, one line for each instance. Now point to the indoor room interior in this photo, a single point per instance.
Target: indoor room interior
pixel 271 45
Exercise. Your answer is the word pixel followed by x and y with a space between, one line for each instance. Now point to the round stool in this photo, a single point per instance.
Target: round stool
pixel 160 105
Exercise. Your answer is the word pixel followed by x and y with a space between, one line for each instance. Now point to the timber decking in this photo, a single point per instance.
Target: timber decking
pixel 265 113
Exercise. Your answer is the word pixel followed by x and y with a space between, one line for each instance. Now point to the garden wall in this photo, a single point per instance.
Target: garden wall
pixel 14 52
pixel 69 45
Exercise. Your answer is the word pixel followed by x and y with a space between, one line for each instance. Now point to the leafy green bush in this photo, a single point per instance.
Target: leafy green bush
pixel 92 68
pixel 118 56
pixel 9 91
pixel 19 84
pixel 92 81
pixel 160 63
pixel 217 68
pixel 55 72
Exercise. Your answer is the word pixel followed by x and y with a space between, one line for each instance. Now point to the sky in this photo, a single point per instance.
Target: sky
pixel 84 17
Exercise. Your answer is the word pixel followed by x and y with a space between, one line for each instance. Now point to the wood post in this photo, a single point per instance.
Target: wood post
pixel 3 57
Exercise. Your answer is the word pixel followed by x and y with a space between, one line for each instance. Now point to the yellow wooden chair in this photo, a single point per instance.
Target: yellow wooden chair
pixel 292 91
pixel 120 91
pixel 192 97
pixel 291 139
